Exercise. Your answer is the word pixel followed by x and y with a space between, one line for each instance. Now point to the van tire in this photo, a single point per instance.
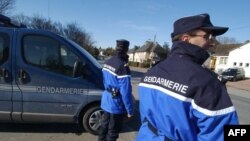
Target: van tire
pixel 91 120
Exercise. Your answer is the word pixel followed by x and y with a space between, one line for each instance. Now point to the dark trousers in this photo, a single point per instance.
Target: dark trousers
pixel 111 125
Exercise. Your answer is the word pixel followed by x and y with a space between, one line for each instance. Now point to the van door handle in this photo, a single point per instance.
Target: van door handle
pixel 22 75
pixel 4 73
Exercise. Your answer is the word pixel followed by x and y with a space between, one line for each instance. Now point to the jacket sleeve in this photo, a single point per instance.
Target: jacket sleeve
pixel 124 82
pixel 212 109
pixel 126 93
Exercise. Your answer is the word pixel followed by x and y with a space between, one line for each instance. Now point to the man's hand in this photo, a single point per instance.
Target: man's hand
pixel 129 116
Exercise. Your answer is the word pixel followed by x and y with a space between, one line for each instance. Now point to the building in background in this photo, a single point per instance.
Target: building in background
pixel 147 53
pixel 240 57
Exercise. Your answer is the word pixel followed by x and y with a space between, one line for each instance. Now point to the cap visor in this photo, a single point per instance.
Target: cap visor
pixel 216 30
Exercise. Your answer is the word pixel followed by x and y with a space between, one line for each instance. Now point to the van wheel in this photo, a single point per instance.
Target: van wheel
pixel 91 120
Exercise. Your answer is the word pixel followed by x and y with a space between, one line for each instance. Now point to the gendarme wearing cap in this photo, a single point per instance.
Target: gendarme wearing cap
pixel 122 46
pixel 201 21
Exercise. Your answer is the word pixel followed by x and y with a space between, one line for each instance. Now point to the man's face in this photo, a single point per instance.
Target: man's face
pixel 200 38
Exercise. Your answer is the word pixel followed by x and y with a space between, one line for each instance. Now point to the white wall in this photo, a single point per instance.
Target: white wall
pixel 221 64
pixel 141 57
pixel 240 57
pixel 138 57
pixel 130 56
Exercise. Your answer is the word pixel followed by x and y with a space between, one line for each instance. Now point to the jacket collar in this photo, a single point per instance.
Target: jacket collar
pixel 123 56
pixel 187 50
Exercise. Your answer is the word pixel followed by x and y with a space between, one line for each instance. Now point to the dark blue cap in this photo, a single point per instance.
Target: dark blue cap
pixel 201 21
pixel 122 45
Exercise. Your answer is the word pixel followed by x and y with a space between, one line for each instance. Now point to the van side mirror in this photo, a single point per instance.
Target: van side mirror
pixel 77 70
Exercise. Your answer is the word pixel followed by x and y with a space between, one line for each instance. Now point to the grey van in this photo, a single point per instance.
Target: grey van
pixel 47 78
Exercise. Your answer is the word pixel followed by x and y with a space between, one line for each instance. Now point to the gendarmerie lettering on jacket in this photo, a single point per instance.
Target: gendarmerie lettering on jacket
pixel 117 66
pixel 166 83
pixel 109 67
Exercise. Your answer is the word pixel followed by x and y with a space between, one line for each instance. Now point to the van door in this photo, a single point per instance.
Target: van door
pixel 50 92
pixel 5 77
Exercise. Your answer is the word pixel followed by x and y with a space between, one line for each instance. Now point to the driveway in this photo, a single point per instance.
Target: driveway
pixel 241 84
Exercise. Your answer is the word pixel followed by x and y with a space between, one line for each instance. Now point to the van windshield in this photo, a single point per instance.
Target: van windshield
pixel 89 56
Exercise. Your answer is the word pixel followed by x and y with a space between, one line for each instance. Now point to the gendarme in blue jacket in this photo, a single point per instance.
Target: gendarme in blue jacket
pixel 116 74
pixel 183 101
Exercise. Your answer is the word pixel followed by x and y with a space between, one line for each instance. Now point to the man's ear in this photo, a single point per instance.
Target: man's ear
pixel 185 38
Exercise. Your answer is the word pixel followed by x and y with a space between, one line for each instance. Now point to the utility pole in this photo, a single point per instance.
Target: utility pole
pixel 48 9
pixel 154 38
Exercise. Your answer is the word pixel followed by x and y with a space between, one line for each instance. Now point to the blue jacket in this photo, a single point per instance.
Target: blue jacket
pixel 116 74
pixel 182 100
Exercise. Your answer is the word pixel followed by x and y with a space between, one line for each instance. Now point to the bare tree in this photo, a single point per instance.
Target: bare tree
pixel 71 31
pixel 109 51
pixel 38 22
pixel 167 49
pixel 226 40
pixel 75 33
pixel 21 19
pixel 6 6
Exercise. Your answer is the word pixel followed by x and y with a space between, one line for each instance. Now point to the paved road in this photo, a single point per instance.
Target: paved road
pixel 62 132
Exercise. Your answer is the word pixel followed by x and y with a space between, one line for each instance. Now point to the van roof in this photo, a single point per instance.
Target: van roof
pixel 7 22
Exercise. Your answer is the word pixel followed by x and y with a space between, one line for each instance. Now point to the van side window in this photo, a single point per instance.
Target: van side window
pixel 4 48
pixel 68 59
pixel 42 52
pixel 48 54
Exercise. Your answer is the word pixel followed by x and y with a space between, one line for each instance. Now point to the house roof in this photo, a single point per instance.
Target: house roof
pixel 132 50
pixel 246 44
pixel 146 47
pixel 157 49
pixel 223 49
pixel 150 46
